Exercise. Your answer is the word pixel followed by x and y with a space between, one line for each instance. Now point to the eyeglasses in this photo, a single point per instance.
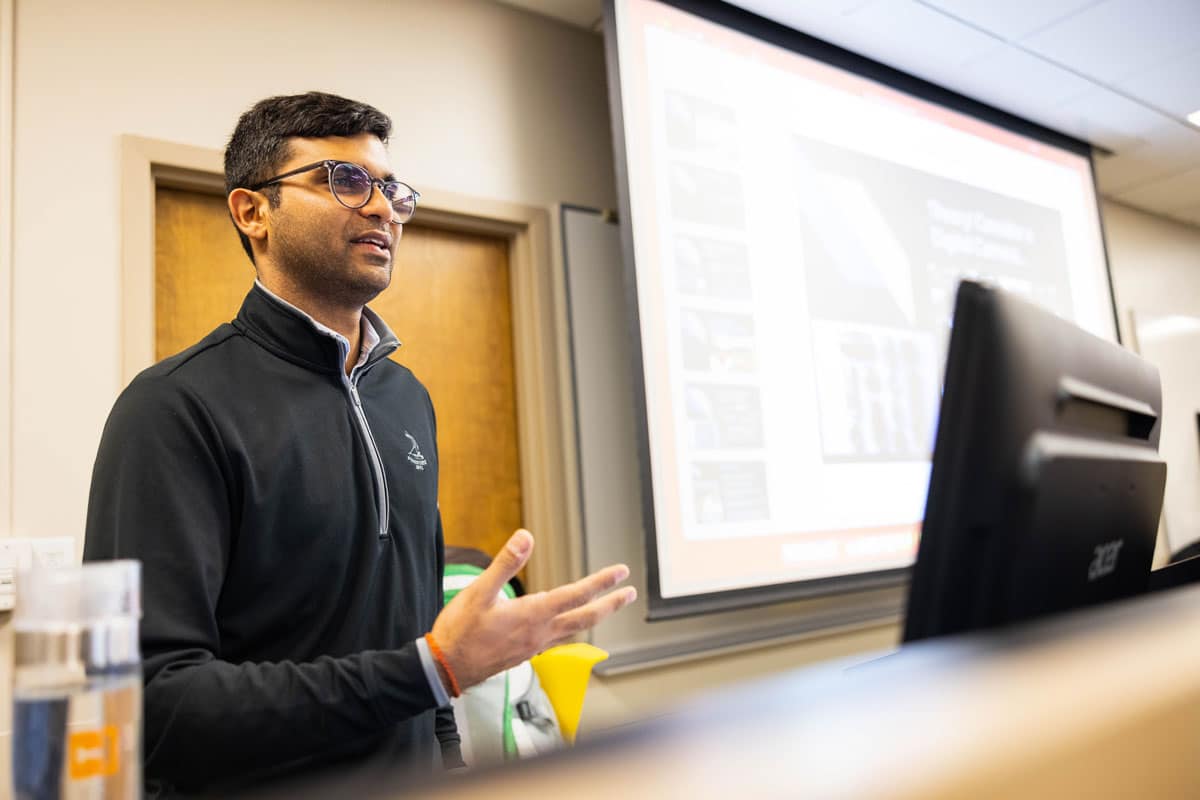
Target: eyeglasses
pixel 351 185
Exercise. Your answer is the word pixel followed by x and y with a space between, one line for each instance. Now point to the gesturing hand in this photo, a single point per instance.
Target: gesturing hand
pixel 481 635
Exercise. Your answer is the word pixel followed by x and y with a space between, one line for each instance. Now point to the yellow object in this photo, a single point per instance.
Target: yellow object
pixel 563 672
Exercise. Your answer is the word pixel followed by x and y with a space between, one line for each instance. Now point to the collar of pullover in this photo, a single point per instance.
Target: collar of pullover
pixel 290 333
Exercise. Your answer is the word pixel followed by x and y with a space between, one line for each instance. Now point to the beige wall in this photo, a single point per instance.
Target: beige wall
pixel 488 102
pixel 6 250
pixel 1155 264
pixel 6 105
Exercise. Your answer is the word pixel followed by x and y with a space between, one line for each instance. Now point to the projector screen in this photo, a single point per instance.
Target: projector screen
pixel 796 220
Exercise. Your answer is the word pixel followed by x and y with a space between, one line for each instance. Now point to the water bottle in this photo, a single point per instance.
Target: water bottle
pixel 77 683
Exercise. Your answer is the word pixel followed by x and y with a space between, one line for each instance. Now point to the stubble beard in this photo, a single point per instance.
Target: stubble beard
pixel 330 278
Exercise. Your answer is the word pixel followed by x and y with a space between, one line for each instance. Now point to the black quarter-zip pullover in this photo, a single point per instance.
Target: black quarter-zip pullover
pixel 248 475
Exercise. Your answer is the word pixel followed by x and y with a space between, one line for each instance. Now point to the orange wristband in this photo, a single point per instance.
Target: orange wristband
pixel 441 659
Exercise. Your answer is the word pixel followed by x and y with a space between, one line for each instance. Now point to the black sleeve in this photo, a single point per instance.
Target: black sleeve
pixel 162 493
pixel 445 726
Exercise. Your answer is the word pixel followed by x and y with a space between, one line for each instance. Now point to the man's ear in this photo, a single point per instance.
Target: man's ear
pixel 249 212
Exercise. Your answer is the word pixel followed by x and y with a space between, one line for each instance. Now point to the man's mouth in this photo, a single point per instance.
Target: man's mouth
pixel 381 242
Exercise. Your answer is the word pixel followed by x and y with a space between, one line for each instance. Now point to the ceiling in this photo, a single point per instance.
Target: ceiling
pixel 1111 72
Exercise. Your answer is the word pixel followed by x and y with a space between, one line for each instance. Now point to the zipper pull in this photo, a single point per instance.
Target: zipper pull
pixel 354 395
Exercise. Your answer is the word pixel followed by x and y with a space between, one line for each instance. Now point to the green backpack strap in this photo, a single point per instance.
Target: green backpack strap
pixel 455 578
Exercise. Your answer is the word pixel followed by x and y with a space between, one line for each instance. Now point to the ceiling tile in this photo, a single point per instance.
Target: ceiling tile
pixel 915 38
pixel 1177 192
pixel 899 33
pixel 1171 148
pixel 1117 38
pixel 1171 84
pixel 1003 77
pixel 820 18
pixel 1012 19
pixel 1107 119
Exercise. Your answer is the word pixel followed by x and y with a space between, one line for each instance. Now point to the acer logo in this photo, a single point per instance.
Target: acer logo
pixel 1104 559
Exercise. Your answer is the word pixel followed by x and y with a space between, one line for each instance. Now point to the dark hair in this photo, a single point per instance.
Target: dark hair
pixel 259 144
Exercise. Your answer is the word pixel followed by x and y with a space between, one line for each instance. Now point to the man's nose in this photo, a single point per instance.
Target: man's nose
pixel 378 205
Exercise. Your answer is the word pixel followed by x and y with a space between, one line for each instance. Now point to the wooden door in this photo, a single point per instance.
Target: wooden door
pixel 448 303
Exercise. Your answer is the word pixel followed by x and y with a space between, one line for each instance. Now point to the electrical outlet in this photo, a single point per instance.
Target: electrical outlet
pixel 53 551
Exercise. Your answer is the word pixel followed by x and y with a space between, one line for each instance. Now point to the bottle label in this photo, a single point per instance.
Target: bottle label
pixel 82 743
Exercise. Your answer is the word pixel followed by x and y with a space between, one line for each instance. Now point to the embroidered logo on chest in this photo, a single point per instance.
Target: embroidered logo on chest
pixel 415 457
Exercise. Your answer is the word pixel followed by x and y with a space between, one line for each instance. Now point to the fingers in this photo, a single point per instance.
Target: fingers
pixel 573 595
pixel 580 619
pixel 505 565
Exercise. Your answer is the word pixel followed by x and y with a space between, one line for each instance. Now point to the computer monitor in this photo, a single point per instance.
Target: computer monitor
pixel 1180 572
pixel 1046 484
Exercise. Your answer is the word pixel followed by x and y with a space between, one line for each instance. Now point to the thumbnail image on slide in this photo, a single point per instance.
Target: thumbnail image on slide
pixel 701 128
pixel 707 196
pixel 711 268
pixel 730 491
pixel 718 342
pixel 724 417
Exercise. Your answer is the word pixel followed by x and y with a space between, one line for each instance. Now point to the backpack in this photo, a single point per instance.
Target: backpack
pixel 507 716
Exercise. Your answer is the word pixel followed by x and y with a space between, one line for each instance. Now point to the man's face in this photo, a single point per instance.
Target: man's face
pixel 343 254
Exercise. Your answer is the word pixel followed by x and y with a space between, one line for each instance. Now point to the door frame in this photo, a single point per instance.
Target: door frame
pixel 545 408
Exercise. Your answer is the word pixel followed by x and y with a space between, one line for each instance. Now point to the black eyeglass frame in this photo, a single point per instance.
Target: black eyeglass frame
pixel 330 164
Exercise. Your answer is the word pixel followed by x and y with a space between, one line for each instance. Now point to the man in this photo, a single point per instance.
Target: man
pixel 291 546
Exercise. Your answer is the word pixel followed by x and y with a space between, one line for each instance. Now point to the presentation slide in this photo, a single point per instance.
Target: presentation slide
pixel 799 232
